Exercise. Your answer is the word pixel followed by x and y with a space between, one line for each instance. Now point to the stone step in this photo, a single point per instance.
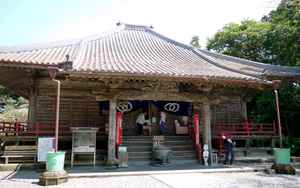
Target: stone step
pixel 140 147
pixel 132 148
pixel 148 154
pixel 137 138
pixel 137 141
pixel 149 147
pixel 184 153
pixel 151 137
pixel 127 144
pixel 167 142
pixel 256 159
pixel 258 150
pixel 184 157
pixel 253 151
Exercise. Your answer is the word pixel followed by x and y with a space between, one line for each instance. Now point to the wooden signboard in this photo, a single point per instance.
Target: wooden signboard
pixel 45 144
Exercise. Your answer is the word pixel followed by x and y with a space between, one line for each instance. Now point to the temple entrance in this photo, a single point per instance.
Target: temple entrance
pixel 175 116
pixel 172 119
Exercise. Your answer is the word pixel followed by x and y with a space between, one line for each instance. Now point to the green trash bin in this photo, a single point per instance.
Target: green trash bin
pixel 55 161
pixel 282 155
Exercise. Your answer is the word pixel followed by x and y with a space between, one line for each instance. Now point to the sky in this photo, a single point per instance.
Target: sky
pixel 37 21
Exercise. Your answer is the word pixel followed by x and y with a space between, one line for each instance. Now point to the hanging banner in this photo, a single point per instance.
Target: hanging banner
pixel 196 128
pixel 124 107
pixel 177 108
pixel 119 119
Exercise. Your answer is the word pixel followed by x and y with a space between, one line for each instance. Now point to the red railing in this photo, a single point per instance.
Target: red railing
pixel 242 131
pixel 245 129
pixel 37 129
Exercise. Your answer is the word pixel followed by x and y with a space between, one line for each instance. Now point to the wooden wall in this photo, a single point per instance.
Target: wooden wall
pixel 74 111
pixel 80 108
pixel 227 112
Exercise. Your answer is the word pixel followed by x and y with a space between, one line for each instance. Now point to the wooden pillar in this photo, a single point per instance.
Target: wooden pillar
pixel 244 118
pixel 32 108
pixel 244 110
pixel 207 125
pixel 32 103
pixel 111 153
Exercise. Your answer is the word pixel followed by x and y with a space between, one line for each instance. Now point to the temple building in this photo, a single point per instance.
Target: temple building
pixel 132 70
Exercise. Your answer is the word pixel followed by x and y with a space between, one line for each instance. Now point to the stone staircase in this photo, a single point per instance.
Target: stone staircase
pixel 140 148
pixel 253 155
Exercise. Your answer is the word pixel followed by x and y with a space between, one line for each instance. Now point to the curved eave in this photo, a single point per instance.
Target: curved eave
pixel 94 74
pixel 189 78
pixel 252 68
pixel 32 65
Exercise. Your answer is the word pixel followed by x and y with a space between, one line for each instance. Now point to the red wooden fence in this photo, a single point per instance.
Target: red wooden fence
pixel 36 129
pixel 244 130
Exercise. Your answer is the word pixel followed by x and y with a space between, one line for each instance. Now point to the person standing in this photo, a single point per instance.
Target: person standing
pixel 229 149
pixel 163 123
pixel 140 121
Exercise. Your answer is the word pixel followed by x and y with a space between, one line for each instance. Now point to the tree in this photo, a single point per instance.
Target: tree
pixel 3 91
pixel 274 40
pixel 245 40
pixel 285 35
pixel 195 42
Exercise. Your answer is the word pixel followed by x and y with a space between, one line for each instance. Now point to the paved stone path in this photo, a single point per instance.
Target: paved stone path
pixel 28 179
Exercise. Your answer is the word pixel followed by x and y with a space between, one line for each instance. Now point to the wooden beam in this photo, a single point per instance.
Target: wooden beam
pixel 33 104
pixel 207 125
pixel 111 153
pixel 244 110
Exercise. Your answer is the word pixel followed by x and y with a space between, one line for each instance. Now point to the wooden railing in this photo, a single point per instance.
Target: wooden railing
pixel 38 129
pixel 245 129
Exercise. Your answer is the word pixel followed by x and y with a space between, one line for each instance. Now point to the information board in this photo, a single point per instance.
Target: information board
pixel 45 144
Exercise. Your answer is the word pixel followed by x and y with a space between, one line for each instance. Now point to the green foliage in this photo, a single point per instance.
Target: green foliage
pixel 246 40
pixel 16 107
pixel 3 91
pixel 274 40
pixel 262 108
pixel 285 35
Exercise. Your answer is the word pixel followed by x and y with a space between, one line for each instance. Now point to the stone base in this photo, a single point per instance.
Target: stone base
pixel 284 169
pixel 53 178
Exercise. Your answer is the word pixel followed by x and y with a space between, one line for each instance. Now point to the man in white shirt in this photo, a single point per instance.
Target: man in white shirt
pixel 140 121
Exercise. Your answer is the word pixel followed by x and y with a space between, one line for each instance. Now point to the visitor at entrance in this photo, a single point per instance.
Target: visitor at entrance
pixel 229 149
pixel 140 121
pixel 163 123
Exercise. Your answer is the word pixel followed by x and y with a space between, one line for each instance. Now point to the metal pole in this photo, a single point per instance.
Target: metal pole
pixel 278 117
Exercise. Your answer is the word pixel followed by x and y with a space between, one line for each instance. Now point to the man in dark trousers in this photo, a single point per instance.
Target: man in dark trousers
pixel 140 121
pixel 229 149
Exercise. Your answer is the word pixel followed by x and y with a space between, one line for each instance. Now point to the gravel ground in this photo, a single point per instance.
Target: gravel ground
pixel 26 179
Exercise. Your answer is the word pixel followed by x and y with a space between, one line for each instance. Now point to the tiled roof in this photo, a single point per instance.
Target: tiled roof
pixel 129 49
pixel 250 67
pixel 48 54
